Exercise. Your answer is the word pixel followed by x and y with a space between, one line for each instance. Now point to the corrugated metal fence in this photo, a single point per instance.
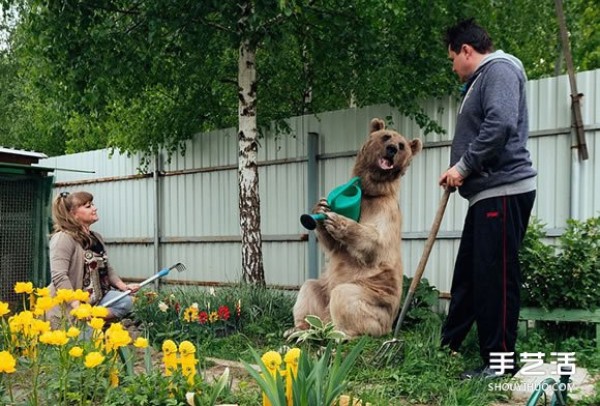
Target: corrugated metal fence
pixel 186 209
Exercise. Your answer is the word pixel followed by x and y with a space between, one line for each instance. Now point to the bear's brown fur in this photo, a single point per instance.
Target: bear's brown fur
pixel 360 289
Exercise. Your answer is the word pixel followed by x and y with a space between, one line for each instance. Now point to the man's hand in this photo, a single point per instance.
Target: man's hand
pixel 451 178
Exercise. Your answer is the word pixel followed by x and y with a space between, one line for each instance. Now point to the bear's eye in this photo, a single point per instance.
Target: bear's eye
pixel 386 137
pixel 401 147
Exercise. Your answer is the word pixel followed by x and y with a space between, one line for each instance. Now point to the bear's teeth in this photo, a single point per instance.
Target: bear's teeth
pixel 385 164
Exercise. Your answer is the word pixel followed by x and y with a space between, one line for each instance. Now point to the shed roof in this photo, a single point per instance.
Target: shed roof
pixel 19 156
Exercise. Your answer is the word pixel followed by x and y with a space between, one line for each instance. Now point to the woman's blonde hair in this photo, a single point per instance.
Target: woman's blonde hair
pixel 62 213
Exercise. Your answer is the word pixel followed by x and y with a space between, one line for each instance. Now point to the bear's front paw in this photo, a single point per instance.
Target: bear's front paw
pixel 336 225
pixel 321 207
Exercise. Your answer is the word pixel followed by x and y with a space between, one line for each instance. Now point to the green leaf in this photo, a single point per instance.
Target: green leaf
pixel 314 321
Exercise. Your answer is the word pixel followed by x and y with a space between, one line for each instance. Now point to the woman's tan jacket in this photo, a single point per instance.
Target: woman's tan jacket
pixel 67 266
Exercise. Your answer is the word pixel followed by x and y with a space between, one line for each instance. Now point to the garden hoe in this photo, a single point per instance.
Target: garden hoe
pixel 391 349
pixel 163 272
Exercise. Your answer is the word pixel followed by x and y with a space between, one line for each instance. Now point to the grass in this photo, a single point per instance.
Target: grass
pixel 425 375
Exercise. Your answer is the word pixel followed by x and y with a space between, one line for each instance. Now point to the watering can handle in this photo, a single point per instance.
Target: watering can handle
pixel 351 182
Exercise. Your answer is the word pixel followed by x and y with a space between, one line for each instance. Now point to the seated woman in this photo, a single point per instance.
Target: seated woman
pixel 78 258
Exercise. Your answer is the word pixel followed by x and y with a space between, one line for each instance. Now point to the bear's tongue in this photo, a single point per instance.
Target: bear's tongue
pixel 385 164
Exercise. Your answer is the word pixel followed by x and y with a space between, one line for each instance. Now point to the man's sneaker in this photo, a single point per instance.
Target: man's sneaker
pixel 485 372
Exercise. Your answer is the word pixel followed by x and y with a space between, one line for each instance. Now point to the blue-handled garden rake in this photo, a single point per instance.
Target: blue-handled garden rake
pixel 163 272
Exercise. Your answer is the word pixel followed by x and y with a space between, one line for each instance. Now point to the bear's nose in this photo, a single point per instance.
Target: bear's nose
pixel 390 151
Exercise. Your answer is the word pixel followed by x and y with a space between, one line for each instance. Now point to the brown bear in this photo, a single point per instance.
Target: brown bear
pixel 361 288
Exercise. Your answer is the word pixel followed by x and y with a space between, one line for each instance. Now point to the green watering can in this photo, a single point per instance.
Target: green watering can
pixel 343 200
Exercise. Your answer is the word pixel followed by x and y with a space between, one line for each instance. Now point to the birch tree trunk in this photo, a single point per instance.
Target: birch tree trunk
pixel 249 199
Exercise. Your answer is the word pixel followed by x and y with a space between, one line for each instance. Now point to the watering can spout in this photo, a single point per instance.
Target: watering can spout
pixel 344 200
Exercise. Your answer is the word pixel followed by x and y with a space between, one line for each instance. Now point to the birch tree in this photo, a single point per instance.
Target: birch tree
pixel 249 198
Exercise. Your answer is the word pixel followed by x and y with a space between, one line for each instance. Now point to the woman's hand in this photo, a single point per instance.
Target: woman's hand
pixel 133 287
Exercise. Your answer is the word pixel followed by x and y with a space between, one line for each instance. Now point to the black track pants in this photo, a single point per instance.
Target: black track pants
pixel 487 275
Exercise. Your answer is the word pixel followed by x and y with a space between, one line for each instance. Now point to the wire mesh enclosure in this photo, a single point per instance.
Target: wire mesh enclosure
pixel 24 218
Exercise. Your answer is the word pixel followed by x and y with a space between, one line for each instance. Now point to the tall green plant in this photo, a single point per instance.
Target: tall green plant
pixel 319 381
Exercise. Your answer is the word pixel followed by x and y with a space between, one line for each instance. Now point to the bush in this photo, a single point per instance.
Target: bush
pixel 566 275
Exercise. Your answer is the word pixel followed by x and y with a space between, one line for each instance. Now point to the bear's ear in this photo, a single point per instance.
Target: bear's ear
pixel 377 124
pixel 416 146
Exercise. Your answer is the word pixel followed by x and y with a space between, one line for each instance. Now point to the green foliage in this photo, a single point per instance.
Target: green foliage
pixel 130 75
pixel 318 382
pixel 145 389
pixel 425 299
pixel 593 399
pixel 563 276
pixel 156 389
pixel 263 313
pixel 318 334
pixel 425 375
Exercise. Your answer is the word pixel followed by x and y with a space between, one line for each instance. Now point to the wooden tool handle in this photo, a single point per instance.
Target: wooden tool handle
pixel 437 221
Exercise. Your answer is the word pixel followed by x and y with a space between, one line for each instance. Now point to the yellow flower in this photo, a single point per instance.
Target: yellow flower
pixel 170 363
pixel 22 323
pixel 23 287
pixel 116 337
pixel 7 362
pixel 186 349
pixel 43 304
pixel 83 311
pixel 39 326
pixel 169 347
pixel 99 311
pixel 188 369
pixel 64 296
pixel 140 342
pixel 81 295
pixel 291 359
pixel 272 361
pixel 57 337
pixel 93 359
pixel 213 316
pixel 96 323
pixel 188 361
pixel 42 292
pixel 73 332
pixel 190 314
pixel 4 309
pixel 76 352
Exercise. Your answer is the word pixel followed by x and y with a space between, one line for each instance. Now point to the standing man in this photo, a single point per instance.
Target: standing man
pixel 491 167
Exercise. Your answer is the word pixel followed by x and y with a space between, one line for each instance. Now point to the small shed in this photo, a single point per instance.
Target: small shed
pixel 25 218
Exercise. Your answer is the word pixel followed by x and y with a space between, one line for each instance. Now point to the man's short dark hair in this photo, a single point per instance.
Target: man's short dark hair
pixel 468 32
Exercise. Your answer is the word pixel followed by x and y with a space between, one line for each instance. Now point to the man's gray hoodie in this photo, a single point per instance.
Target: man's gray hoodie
pixel 489 145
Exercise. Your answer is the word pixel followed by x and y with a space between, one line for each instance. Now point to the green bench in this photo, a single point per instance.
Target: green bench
pixel 563 315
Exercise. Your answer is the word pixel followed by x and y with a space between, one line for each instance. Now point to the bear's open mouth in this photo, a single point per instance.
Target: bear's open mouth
pixel 386 164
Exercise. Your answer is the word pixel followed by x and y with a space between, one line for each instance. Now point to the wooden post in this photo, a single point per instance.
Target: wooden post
pixel 575 96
